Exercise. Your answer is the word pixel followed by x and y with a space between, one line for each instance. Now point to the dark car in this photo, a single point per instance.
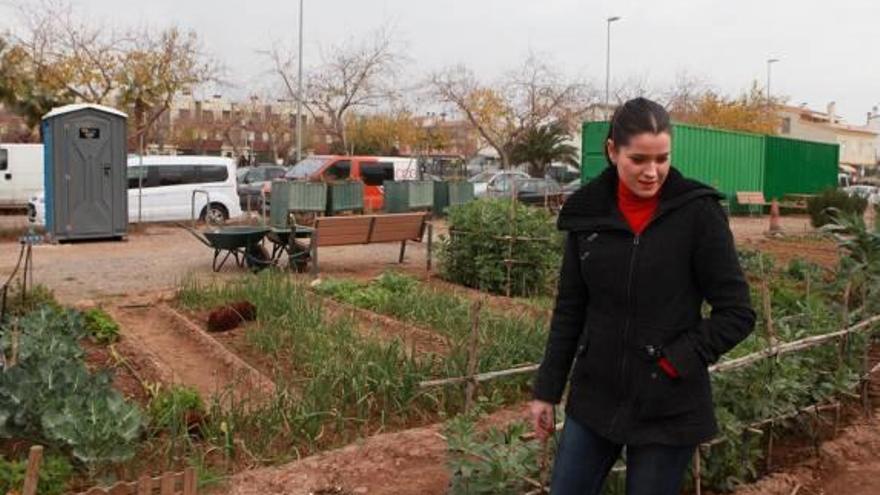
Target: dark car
pixel 540 192
pixel 252 180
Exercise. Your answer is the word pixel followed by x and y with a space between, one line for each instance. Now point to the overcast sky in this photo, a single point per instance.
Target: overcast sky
pixel 828 49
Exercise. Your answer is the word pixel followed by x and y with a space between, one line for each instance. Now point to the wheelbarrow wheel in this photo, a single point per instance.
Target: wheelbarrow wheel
pixel 257 257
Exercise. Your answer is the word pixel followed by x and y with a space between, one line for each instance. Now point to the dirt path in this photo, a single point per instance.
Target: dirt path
pixel 411 462
pixel 848 465
pixel 185 354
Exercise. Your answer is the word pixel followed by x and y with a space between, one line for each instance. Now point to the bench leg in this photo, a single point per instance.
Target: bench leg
pixel 314 249
pixel 402 251
pixel 430 244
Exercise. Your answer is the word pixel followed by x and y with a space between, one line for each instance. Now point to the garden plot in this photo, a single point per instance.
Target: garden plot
pixel 184 354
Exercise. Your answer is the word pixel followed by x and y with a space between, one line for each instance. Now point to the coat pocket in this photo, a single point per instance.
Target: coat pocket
pixel 662 397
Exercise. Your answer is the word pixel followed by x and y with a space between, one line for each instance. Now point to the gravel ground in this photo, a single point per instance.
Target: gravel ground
pixel 158 257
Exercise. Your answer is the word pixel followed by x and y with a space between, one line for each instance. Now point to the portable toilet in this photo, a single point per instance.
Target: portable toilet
pixel 85 181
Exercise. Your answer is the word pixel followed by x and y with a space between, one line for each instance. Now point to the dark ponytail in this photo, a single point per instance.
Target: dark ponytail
pixel 635 117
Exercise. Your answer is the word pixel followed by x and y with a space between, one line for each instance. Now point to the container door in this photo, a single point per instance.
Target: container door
pixel 89 177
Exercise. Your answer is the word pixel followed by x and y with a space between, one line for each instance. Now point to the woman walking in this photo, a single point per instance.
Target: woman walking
pixel 645 248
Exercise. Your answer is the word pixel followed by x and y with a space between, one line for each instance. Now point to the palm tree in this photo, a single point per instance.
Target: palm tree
pixel 542 145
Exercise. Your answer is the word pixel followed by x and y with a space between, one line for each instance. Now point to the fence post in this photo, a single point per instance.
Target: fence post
pixel 698 478
pixel 32 474
pixel 473 359
pixel 167 484
pixel 144 485
pixel 190 483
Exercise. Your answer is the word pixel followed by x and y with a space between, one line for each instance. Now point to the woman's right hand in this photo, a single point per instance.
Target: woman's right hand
pixel 543 418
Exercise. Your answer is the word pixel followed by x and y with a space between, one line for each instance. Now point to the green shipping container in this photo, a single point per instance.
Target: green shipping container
pixel 798 167
pixel 728 161
pixel 345 196
pixel 593 135
pixel 733 161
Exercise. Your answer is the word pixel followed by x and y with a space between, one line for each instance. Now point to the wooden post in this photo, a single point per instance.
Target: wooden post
pixel 145 485
pixel 844 341
pixel 473 349
pixel 190 483
pixel 167 484
pixel 698 477
pixel 32 474
pixel 767 304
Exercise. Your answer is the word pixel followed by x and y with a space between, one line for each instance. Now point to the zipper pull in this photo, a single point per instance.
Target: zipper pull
pixel 636 239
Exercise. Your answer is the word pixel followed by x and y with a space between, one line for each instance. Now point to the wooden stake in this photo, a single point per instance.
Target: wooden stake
pixel 767 304
pixel 32 474
pixel 698 477
pixel 190 482
pixel 473 349
pixel 145 485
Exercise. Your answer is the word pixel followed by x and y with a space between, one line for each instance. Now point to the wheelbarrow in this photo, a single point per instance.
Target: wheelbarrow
pixel 242 243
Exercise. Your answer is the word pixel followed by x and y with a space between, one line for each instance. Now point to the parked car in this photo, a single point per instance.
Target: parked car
pixel 21 173
pixel 495 183
pixel 252 180
pixel 871 193
pixel 171 185
pixel 540 192
pixel 373 171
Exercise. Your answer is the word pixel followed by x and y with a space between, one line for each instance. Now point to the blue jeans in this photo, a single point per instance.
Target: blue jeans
pixel 584 459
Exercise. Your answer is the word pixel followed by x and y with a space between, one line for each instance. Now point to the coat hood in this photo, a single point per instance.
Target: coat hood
pixel 596 202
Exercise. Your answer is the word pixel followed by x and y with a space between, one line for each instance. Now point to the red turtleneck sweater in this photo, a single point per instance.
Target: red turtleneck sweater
pixel 637 212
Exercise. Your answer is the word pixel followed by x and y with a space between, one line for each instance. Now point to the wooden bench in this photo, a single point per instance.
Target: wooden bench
pixel 369 229
pixel 753 199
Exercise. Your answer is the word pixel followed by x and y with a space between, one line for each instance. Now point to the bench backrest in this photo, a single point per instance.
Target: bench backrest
pixel 366 229
pixel 341 231
pixel 399 227
pixel 750 198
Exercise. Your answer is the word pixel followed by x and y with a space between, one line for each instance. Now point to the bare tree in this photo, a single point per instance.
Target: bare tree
pixel 156 68
pixel 354 74
pixel 55 57
pixel 634 87
pixel 683 97
pixel 504 111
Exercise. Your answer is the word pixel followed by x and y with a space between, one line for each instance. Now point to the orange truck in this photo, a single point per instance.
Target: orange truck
pixel 373 171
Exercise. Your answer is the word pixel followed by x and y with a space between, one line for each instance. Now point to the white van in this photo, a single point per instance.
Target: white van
pixel 21 173
pixel 168 183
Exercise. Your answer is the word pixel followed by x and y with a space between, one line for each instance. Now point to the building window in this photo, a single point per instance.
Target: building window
pixel 183 114
pixel 207 116
pixel 786 125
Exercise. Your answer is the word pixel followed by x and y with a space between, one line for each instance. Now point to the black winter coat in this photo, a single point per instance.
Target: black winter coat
pixel 624 298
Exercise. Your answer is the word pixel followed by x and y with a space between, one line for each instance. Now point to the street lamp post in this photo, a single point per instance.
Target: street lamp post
pixel 608 59
pixel 299 90
pixel 770 62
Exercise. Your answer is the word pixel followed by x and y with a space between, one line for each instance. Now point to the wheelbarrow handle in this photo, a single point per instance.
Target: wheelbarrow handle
pixel 196 234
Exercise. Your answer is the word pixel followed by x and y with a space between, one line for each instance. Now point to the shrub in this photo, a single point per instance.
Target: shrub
pixel 54 474
pixel 101 326
pixel 177 409
pixel 818 205
pixel 477 249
